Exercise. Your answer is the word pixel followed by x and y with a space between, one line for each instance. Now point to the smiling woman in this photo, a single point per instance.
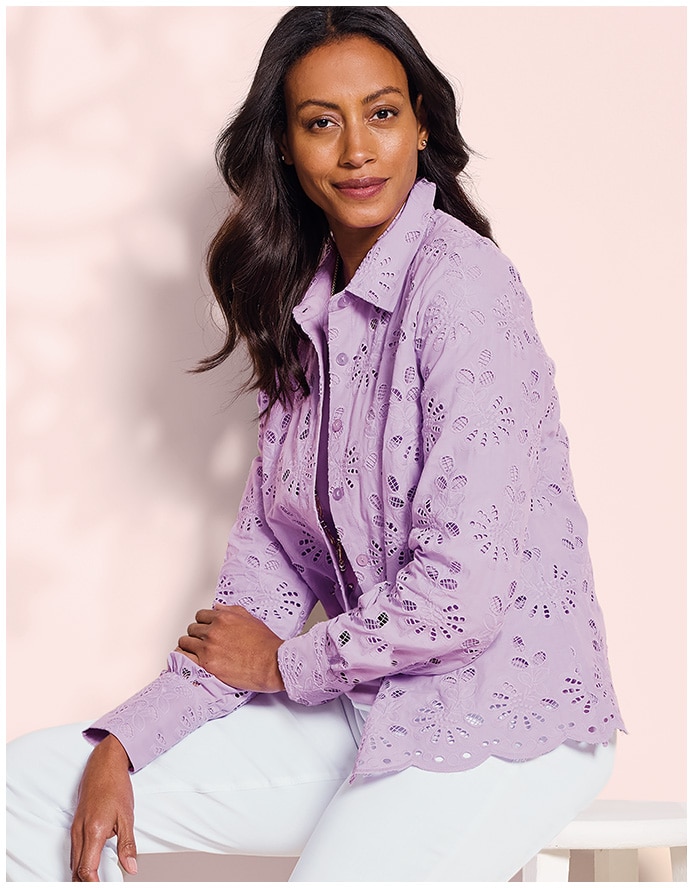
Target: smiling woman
pixel 353 139
pixel 455 710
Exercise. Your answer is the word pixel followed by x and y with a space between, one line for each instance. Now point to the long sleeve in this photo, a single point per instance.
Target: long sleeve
pixel 257 575
pixel 477 432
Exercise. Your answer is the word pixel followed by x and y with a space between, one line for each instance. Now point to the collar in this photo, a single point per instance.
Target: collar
pixel 379 277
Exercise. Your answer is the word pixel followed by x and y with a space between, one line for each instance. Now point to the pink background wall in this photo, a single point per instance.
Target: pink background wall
pixel 125 473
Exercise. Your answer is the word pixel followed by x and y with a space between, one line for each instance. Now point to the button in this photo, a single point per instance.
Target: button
pixel 342 359
pixel 343 301
pixel 337 425
pixel 338 493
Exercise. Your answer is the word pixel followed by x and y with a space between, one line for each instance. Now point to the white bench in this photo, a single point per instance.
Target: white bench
pixel 614 831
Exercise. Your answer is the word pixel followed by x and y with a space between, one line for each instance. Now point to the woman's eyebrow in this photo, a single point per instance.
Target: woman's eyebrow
pixel 320 102
pixel 381 92
pixel 371 97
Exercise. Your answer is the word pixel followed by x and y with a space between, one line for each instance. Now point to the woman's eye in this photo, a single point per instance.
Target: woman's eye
pixel 321 123
pixel 385 113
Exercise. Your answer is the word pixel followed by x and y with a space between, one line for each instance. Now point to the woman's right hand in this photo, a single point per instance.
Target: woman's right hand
pixel 105 808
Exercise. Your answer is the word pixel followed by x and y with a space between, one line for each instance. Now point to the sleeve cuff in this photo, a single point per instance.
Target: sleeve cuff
pixel 305 665
pixel 180 700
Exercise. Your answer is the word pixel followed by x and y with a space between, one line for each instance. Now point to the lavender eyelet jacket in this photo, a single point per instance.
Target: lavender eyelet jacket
pixel 468 616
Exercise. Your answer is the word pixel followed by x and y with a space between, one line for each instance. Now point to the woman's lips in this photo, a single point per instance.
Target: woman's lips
pixel 360 189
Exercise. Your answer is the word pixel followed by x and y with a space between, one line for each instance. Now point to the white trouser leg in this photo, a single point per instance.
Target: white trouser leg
pixel 266 780
pixel 478 825
pixel 255 782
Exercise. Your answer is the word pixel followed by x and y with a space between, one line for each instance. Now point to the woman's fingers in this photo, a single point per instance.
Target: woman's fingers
pixel 193 657
pixel 88 842
pixel 191 645
pixel 105 808
pixel 127 850
pixel 75 846
pixel 204 619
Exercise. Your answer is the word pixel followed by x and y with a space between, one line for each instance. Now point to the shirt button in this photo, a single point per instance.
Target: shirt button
pixel 343 301
pixel 342 359
pixel 338 493
pixel 337 425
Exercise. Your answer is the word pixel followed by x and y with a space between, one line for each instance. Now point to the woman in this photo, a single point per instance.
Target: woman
pixel 413 477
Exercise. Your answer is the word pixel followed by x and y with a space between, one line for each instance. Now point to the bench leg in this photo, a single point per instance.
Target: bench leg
pixel 619 865
pixel 678 864
pixel 550 865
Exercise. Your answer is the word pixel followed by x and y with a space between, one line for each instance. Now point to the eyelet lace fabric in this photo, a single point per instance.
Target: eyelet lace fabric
pixel 449 485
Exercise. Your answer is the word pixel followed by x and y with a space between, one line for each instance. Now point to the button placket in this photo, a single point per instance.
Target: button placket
pixel 336 424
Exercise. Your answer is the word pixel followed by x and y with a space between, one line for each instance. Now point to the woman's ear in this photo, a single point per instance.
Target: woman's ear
pixel 284 152
pixel 421 116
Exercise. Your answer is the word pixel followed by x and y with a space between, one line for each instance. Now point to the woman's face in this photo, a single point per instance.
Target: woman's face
pixel 352 136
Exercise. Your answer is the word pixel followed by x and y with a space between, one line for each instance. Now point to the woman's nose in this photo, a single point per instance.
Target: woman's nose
pixel 358 146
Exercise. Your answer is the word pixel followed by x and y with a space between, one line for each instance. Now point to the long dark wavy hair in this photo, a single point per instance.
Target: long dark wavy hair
pixel 263 257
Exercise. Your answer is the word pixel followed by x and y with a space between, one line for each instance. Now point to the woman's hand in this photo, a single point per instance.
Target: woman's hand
pixel 105 808
pixel 235 647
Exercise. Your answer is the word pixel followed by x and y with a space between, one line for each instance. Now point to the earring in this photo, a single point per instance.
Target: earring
pixel 424 142
pixel 282 158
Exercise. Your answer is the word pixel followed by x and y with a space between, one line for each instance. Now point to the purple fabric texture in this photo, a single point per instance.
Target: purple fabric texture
pixel 468 616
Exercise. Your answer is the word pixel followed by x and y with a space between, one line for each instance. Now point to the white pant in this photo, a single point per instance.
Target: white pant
pixel 271 779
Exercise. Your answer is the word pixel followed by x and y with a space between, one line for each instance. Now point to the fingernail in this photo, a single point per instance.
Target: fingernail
pixel 132 865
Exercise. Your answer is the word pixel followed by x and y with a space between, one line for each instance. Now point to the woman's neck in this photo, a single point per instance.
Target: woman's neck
pixel 353 243
pixel 351 256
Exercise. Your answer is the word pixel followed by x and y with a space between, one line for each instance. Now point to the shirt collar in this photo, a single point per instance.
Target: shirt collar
pixel 379 277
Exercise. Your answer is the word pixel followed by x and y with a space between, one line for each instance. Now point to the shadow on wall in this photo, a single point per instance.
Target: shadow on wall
pixel 195 432
pixel 125 471
pixel 192 435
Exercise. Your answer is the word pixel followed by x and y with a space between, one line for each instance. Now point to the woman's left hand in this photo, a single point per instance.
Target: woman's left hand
pixel 235 647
